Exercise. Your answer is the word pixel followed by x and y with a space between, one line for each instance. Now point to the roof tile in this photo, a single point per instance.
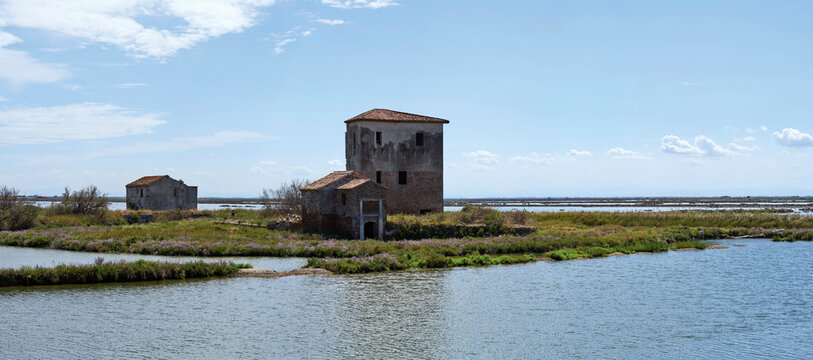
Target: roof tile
pixel 395 116
pixel 333 178
pixel 146 180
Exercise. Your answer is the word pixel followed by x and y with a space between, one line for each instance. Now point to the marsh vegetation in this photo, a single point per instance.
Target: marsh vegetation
pixel 107 271
pixel 426 241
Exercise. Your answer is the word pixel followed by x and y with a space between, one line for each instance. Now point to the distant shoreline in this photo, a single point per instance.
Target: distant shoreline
pixel 695 202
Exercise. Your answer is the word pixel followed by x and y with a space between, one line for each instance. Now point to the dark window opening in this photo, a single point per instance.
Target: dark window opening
pixel 344 199
pixel 175 191
pixel 141 192
pixel 378 138
pixel 425 211
pixel 402 178
pixel 378 177
pixel 419 139
pixel 354 141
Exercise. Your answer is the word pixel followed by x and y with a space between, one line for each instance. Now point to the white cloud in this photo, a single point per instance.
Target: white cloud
pixel 621 153
pixel 577 153
pixel 308 32
pixel 550 159
pixel 750 130
pixel 793 138
pixel 350 4
pixel 18 68
pixel 739 147
pixel 482 160
pixel 676 145
pixel 130 85
pixel 257 170
pixel 335 162
pixel 749 138
pixel 483 157
pixel 279 49
pixel 702 146
pixel 710 148
pixel 116 22
pixel 331 21
pixel 72 122
pixel 269 162
pixel 763 128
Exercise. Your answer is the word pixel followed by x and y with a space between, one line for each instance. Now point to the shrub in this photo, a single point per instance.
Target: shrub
pixel 16 214
pixel 494 222
pixel 84 201
pixel 285 200
pixel 517 217
pixel 470 214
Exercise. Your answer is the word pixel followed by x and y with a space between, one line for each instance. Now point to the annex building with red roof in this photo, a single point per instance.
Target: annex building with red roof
pixel 160 192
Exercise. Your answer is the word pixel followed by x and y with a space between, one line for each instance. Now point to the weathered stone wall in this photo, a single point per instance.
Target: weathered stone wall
pixel 324 211
pixel 163 194
pixel 398 151
pixel 324 214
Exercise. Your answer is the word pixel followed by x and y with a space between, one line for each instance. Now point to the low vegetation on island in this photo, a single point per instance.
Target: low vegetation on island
pixel 470 237
pixel 107 271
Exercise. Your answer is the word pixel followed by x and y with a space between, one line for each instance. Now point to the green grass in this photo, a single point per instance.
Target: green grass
pixel 559 236
pixel 106 272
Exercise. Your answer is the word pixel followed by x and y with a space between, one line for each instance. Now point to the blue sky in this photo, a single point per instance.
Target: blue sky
pixel 545 98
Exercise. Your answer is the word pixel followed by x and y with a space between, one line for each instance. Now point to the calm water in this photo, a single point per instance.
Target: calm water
pixel 753 302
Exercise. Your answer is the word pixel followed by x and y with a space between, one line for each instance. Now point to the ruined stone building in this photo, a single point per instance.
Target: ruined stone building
pixel 403 152
pixel 345 203
pixel 161 192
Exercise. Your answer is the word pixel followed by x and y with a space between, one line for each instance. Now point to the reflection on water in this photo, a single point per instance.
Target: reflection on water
pixel 738 303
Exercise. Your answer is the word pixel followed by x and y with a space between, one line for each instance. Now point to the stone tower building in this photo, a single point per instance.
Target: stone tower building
pixel 403 152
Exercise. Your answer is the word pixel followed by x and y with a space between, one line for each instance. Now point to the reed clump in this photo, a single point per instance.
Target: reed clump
pixel 107 271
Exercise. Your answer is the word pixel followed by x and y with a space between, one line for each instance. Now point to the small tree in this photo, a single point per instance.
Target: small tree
pixel 285 200
pixel 15 213
pixel 84 201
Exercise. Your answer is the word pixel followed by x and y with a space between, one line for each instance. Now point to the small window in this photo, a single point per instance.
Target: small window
pixel 141 192
pixel 175 191
pixel 419 139
pixel 378 138
pixel 378 177
pixel 402 177
pixel 344 199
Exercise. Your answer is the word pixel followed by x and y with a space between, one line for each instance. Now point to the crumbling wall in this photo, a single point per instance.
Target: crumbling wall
pixel 399 151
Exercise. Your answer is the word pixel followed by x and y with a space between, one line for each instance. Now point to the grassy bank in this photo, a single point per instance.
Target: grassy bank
pixel 557 236
pixel 106 272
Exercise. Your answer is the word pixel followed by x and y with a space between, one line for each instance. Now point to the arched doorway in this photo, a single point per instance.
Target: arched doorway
pixel 370 230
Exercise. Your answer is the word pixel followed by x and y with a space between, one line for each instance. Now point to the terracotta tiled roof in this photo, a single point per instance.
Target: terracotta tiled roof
pixel 333 178
pixel 146 180
pixel 395 116
pixel 353 184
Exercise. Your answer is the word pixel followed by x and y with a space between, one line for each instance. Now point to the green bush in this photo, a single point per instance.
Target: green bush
pixel 16 214
pixel 103 272
pixel 88 200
